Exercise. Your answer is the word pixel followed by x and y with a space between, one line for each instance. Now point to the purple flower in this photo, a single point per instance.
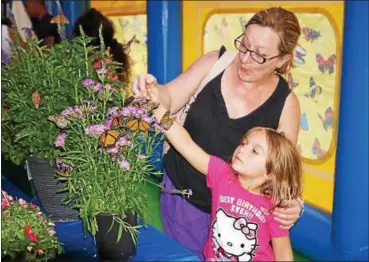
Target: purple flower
pixel 78 111
pixel 113 111
pixel 125 112
pixel 95 130
pixel 59 142
pixel 88 82
pixel 107 123
pixel 158 127
pixel 141 156
pixel 112 150
pixel 87 102
pixel 97 87
pixel 68 111
pixel 148 119
pixel 122 142
pixel 124 164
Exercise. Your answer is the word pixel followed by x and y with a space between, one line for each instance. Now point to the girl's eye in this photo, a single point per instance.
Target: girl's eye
pixel 255 152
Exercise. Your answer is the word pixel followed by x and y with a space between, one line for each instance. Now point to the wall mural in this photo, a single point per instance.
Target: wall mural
pixel 313 79
pixel 129 26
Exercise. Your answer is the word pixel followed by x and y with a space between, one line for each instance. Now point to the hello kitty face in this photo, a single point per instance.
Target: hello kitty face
pixel 234 237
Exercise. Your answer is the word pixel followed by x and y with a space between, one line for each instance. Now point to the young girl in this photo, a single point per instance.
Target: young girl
pixel 264 171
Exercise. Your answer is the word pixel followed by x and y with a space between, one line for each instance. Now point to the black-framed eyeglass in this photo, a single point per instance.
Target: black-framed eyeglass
pixel 258 58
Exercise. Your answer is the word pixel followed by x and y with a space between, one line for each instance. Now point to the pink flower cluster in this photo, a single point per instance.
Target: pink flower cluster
pixel 60 140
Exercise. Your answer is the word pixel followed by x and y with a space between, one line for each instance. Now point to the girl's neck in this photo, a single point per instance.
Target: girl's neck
pixel 251 185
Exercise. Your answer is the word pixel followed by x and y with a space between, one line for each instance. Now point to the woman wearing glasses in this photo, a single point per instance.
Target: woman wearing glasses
pixel 249 92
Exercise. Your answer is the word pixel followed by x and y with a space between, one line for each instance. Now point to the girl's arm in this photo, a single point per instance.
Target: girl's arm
pixel 282 248
pixel 181 140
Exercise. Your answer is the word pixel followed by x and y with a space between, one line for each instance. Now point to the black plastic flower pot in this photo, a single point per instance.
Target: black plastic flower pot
pixel 47 187
pixel 106 241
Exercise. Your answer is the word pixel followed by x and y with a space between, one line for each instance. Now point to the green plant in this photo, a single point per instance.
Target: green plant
pixel 105 149
pixel 37 83
pixel 26 233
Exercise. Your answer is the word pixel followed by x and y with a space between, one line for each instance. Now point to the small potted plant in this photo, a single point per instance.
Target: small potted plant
pixel 26 233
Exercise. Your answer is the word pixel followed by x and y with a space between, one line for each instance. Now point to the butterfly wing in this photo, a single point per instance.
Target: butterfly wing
pixel 109 138
pixel 304 125
pixel 143 126
pixel 117 122
pixel 133 125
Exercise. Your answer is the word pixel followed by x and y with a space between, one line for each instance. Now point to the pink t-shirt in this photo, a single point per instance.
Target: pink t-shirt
pixel 241 227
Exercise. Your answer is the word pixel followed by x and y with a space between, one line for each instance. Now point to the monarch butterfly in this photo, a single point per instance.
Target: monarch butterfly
pixel 166 121
pixel 138 124
pixel 59 19
pixel 117 122
pixel 110 137
pixel 36 99
pixel 59 120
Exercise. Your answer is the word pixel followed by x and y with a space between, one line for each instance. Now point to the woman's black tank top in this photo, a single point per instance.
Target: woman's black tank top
pixel 210 127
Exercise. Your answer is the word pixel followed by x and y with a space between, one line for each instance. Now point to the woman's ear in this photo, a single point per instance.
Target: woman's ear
pixel 283 60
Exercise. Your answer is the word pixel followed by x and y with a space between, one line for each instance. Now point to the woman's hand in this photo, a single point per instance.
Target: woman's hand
pixel 141 83
pixel 288 215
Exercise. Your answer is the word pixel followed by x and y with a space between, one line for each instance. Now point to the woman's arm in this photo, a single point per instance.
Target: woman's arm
pixel 181 140
pixel 176 93
pixel 282 248
pixel 289 123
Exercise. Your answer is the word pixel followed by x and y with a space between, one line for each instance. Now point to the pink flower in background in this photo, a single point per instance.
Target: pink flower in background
pixel 97 87
pixel 52 233
pixel 148 119
pixel 95 130
pixel 101 71
pixel 113 111
pixel 68 111
pixel 40 252
pixel 22 201
pixel 4 203
pixel 60 140
pixel 88 82
pixel 122 142
pixel 125 112
pixel 107 123
pixel 112 150
pixel 124 164
pixel 141 156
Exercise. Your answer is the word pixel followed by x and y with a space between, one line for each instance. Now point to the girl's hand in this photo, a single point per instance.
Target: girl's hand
pixel 288 215
pixel 141 83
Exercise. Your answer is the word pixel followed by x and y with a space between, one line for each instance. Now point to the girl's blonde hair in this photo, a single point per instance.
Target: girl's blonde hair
pixel 283 164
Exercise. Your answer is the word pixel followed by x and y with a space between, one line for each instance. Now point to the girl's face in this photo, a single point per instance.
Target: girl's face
pixel 250 156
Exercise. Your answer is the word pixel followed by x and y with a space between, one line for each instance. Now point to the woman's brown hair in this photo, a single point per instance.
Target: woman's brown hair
pixel 285 24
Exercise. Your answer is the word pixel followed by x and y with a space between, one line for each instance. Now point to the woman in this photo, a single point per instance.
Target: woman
pixel 249 92
pixel 90 22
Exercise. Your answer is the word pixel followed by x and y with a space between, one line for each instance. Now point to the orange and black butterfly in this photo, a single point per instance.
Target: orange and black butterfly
pixel 59 19
pixel 117 122
pixel 326 65
pixel 110 137
pixel 138 125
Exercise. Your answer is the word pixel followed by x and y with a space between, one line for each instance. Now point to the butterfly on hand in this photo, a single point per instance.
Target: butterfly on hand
pixel 326 65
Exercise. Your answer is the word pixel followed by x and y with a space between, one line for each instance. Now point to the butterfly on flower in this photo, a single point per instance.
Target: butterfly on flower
pixel 59 19
pixel 60 120
pixel 36 99
pixel 110 137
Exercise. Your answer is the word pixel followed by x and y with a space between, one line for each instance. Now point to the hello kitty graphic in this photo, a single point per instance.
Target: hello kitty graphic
pixel 234 238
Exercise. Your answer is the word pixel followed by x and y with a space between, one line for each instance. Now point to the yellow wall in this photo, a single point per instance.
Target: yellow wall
pixel 199 20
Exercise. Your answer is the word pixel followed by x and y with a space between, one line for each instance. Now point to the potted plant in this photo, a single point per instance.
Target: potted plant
pixel 37 83
pixel 26 233
pixel 105 146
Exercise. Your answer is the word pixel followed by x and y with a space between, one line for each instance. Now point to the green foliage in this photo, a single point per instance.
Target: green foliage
pixel 26 233
pixel 53 76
